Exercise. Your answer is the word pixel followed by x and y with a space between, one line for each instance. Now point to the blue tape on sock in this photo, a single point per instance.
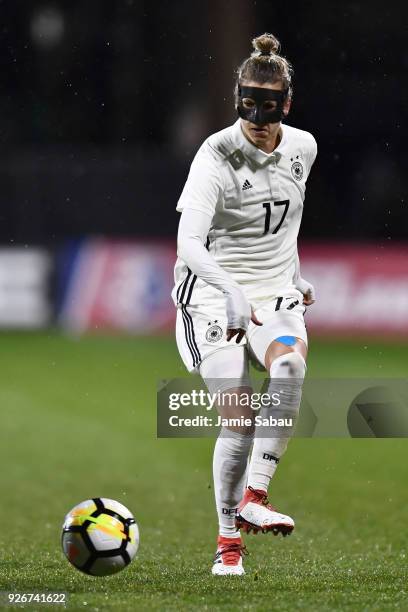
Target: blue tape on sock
pixel 288 340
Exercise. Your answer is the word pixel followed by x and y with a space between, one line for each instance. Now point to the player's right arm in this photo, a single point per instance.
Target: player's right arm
pixel 197 204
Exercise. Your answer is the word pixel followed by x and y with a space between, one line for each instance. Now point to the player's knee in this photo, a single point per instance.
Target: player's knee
pixel 289 365
pixel 287 373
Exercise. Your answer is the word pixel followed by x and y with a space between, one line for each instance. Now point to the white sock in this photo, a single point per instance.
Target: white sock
pixel 230 464
pixel 286 373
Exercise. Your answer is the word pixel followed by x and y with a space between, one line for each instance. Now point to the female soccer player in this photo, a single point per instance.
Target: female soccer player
pixel 238 287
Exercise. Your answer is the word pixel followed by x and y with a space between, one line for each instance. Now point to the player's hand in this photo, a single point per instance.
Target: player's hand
pixel 308 291
pixel 239 313
pixel 254 318
pixel 240 333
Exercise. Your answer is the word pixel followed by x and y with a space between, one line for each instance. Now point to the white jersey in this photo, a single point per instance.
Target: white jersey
pixel 255 200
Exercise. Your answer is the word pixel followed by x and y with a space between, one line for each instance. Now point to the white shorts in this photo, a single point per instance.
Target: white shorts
pixel 201 330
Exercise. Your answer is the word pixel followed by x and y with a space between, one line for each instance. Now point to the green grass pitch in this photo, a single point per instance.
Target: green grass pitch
pixel 78 421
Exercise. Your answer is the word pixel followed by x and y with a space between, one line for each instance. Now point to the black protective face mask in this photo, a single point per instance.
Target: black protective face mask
pixel 258 114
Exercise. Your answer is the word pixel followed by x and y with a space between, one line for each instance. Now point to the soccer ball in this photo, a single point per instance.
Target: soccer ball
pixel 100 536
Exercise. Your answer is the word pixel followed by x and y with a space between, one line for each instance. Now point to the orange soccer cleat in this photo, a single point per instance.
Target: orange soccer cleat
pixel 257 514
pixel 228 558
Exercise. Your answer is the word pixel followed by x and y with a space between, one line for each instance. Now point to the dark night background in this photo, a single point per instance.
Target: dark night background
pixel 103 105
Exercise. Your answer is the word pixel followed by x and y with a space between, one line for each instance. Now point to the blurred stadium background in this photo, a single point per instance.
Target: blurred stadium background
pixel 102 107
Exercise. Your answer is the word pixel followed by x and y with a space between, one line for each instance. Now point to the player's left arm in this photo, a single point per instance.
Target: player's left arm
pixel 304 286
pixel 310 153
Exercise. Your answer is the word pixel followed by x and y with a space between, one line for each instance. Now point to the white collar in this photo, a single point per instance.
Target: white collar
pixel 262 158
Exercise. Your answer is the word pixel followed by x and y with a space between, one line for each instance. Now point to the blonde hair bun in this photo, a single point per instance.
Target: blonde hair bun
pixel 266 44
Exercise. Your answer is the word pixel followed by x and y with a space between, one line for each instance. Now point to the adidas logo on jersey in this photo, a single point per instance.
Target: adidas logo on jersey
pixel 246 185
